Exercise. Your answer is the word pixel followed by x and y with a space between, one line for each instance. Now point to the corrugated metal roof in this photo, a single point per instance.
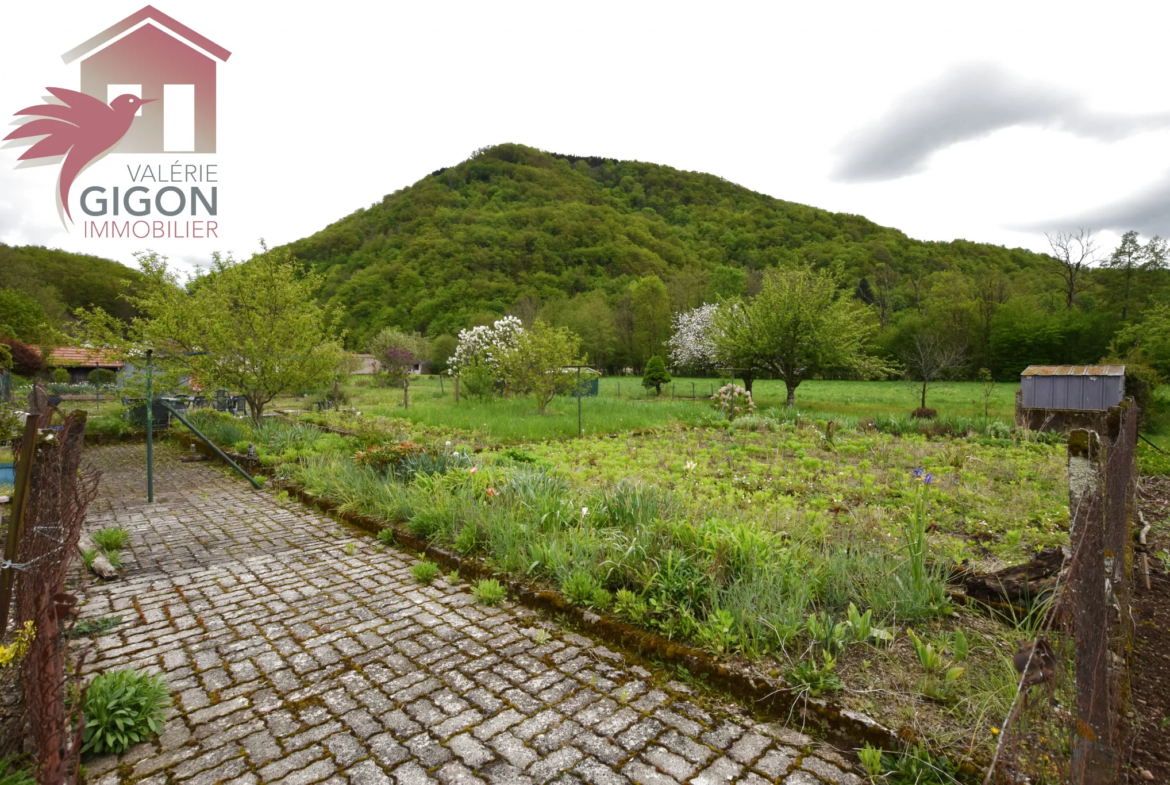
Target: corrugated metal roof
pixel 1074 370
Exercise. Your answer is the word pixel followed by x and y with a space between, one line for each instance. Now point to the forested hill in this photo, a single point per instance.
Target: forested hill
pixel 44 286
pixel 521 230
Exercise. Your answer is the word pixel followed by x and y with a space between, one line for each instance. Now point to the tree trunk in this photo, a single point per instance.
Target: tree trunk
pixel 923 404
pixel 405 393
pixel 747 382
pixel 257 410
pixel 791 394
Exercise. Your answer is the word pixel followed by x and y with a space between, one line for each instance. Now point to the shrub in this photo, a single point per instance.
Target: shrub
pixel 26 361
pixel 381 456
pixel 425 571
pixel 59 376
pixel 102 376
pixel 489 592
pixel 733 401
pixel 656 374
pixel 478 382
pixel 924 413
pixel 122 708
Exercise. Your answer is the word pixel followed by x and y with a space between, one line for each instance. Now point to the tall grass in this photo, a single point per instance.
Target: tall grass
pixel 635 539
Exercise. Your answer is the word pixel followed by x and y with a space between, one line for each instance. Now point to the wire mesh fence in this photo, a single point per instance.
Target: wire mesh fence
pixel 1065 720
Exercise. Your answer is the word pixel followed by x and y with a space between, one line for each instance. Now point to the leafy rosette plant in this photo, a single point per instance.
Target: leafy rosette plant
pixel 733 400
pixel 381 456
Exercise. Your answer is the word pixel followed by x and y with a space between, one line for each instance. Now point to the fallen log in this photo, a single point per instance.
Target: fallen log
pixel 1022 584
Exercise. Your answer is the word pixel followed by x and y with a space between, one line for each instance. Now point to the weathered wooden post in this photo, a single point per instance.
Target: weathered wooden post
pixel 1093 759
pixel 456 389
pixel 406 393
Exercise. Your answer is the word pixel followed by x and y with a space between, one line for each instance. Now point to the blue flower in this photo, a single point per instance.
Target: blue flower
pixel 917 473
pixel 928 479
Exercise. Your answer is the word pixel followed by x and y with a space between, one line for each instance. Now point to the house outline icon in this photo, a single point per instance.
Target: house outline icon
pixel 152 55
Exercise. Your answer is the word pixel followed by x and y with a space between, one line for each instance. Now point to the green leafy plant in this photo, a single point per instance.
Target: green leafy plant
pixel 350 548
pixel 467 540
pixel 871 760
pixel 453 577
pixel 940 674
pixel 826 633
pixel 96 627
pixel 386 536
pixel 10 774
pixel 89 556
pixel 630 605
pixel 601 599
pixel 111 538
pixel 916 766
pixel 579 587
pixel 719 631
pixel 425 571
pixel 489 592
pixel 122 708
pixel 816 678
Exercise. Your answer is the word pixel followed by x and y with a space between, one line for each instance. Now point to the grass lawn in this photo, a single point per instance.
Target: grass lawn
pixel 623 405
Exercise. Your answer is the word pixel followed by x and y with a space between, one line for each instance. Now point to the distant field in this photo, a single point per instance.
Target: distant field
pixel 622 404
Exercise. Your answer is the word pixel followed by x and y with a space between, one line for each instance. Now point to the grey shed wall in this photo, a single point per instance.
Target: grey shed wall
pixel 1079 393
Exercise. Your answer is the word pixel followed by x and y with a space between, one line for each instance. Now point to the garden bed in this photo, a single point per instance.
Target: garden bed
pixel 763 545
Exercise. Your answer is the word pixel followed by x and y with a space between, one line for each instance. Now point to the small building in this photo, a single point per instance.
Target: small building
pixel 1059 397
pixel 80 362
pixel 421 368
pixel 369 366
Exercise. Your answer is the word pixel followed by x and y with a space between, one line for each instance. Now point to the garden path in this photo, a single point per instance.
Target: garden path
pixel 292 660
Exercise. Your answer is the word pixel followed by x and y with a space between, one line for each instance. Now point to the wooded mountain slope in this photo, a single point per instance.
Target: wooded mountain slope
pixel 521 230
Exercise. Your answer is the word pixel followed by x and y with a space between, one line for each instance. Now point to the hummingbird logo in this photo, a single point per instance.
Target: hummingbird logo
pixel 81 128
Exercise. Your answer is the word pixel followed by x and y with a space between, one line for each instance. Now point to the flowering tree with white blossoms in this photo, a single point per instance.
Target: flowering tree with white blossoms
pixel 692 345
pixel 486 346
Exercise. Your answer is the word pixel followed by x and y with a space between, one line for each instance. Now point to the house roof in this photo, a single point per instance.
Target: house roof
pixel 174 26
pixel 1074 370
pixel 79 357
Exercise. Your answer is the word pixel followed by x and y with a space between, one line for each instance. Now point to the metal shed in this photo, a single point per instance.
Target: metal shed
pixel 1073 387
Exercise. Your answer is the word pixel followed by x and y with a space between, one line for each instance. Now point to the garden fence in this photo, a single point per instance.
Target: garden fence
pixel 1065 721
pixel 45 530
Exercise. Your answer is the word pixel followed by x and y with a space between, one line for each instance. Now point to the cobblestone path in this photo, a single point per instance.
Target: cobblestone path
pixel 292 660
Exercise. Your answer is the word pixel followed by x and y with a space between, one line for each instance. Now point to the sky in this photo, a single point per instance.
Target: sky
pixel 991 122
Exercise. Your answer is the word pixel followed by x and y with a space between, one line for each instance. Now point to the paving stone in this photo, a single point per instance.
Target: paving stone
pixel 294 662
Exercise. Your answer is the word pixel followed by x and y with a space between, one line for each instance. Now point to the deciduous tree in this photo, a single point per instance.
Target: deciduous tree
pixel 799 326
pixel 254 326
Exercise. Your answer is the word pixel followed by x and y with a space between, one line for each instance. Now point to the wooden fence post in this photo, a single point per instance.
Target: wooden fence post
pixel 1092 753
pixel 456 389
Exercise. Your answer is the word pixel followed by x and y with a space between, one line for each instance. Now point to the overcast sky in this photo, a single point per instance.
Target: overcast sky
pixel 991 124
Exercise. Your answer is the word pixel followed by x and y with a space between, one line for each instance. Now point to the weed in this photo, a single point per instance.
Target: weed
pixel 11 775
pixel 489 592
pixel 88 557
pixel 579 587
pixel 350 548
pixel 467 541
pixel 542 637
pixel 630 605
pixel 386 536
pixel 917 766
pixel 96 628
pixel 453 577
pixel 816 678
pixel 122 708
pixel 871 760
pixel 424 572
pixel 111 538
pixel 601 599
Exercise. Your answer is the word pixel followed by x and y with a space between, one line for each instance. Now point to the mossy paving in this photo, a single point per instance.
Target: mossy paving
pixel 294 661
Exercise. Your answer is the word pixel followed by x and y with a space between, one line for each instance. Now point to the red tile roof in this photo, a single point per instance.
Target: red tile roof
pixel 79 357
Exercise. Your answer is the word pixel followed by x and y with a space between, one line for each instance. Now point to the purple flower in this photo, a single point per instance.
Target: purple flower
pixel 928 479
pixel 917 473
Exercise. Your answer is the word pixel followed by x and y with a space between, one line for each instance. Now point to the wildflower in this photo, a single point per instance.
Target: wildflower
pixel 474 469
pixel 917 473
pixel 492 492
pixel 928 479
pixel 691 465
pixel 995 731
pixel 584 511
pixel 448 444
